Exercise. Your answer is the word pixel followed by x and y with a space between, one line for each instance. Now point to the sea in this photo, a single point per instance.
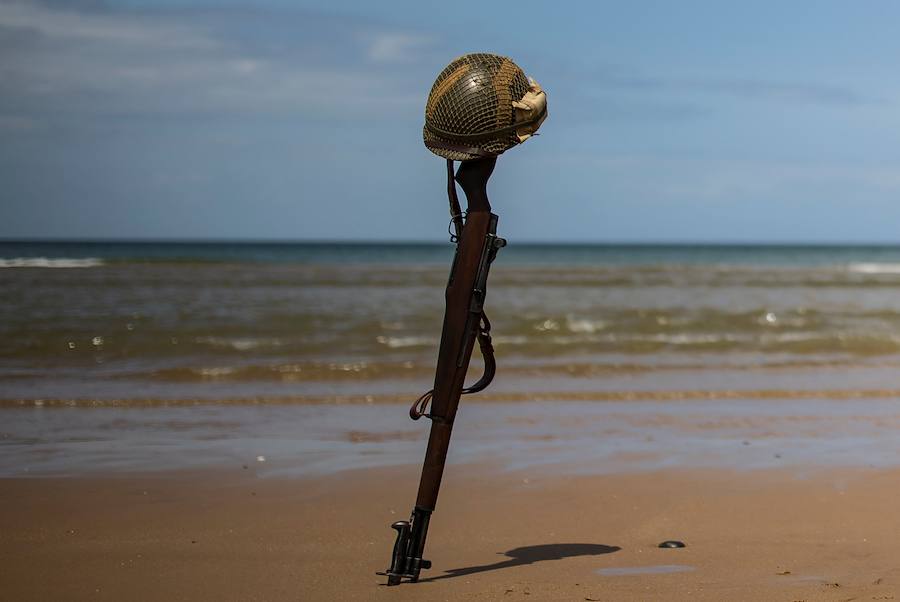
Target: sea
pixel 281 332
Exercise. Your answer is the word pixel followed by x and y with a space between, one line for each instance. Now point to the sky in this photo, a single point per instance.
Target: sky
pixel 717 122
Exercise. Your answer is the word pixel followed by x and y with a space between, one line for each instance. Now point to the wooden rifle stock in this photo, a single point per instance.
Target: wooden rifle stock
pixel 465 294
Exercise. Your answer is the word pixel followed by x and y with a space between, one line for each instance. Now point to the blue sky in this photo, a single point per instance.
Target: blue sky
pixel 669 121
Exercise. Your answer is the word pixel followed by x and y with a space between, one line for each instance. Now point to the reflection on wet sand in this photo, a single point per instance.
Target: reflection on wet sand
pixel 574 436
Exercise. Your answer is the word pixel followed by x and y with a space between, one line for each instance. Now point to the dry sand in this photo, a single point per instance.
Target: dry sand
pixel 497 535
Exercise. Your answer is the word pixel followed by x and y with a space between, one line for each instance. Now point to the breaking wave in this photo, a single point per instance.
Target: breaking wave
pixel 239 343
pixel 874 268
pixel 50 262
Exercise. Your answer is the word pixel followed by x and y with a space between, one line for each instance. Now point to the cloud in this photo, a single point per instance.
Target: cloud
pixel 746 89
pixel 133 31
pixel 392 47
pixel 581 109
pixel 16 123
pixel 57 61
pixel 724 181
pixel 631 81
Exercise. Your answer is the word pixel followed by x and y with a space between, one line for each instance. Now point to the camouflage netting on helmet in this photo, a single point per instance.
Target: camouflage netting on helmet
pixel 471 98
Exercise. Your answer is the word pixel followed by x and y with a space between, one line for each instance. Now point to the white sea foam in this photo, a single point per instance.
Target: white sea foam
pixel 240 344
pixel 670 339
pixel 793 337
pixel 215 372
pixel 690 339
pixel 397 342
pixel 50 262
pixel 874 268
pixel 581 325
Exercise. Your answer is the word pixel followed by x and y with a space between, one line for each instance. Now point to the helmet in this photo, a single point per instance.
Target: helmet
pixel 480 106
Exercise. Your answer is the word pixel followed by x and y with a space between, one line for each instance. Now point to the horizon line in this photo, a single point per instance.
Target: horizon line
pixel 409 242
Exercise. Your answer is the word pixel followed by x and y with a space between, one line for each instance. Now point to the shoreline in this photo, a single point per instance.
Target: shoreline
pixel 483 397
pixel 575 437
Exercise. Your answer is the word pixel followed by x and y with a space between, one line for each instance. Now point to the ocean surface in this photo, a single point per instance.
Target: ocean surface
pixel 169 322
pixel 299 359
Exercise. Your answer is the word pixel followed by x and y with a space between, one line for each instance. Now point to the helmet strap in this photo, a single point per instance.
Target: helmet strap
pixel 455 210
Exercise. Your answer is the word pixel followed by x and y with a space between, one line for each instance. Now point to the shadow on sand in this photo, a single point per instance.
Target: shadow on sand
pixel 530 555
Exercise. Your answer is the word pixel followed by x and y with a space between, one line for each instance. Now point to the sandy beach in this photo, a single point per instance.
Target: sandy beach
pixel 522 535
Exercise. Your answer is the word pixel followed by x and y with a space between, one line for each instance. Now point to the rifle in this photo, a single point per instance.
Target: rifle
pixel 464 321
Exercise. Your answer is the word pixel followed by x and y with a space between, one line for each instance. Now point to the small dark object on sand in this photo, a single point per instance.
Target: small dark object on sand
pixel 671 543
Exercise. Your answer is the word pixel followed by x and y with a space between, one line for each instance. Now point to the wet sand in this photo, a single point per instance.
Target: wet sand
pixel 586 437
pixel 497 535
